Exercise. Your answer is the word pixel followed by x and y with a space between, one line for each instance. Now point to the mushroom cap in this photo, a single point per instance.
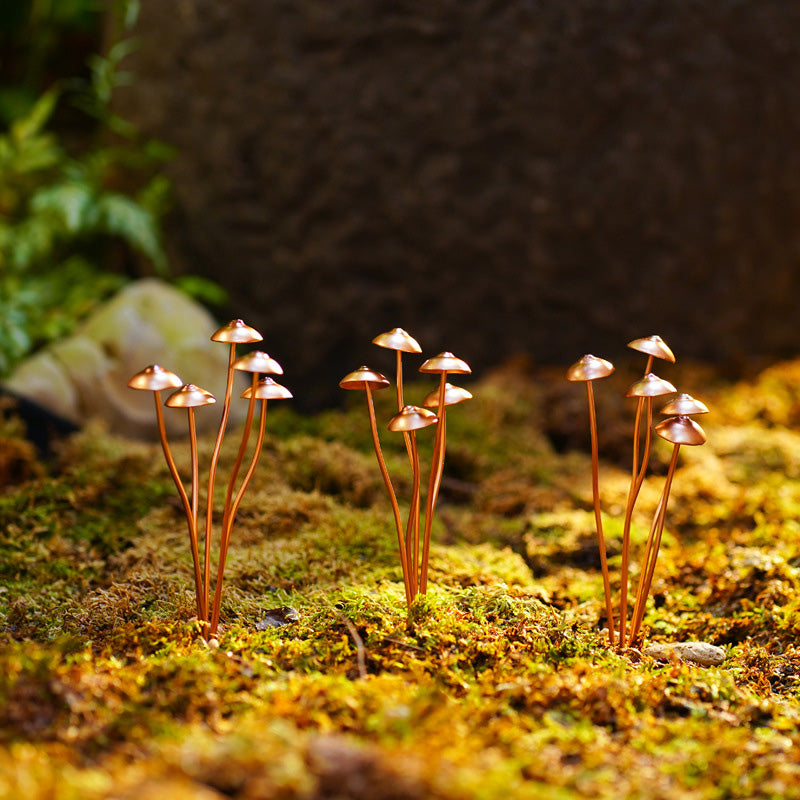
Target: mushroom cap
pixel 445 362
pixel 589 368
pixel 650 386
pixel 362 377
pixel 398 339
pixel 412 418
pixel 681 430
pixel 452 395
pixel 155 378
pixel 653 346
pixel 190 396
pixel 236 332
pixel 684 404
pixel 258 361
pixel 267 389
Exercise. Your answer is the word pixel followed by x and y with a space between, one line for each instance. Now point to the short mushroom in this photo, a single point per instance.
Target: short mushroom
pixel 587 369
pixel 645 389
pixel 443 364
pixel 678 430
pixel 684 405
pixel 366 380
pixel 190 397
pixel 156 379
pixel 265 389
pixel 409 420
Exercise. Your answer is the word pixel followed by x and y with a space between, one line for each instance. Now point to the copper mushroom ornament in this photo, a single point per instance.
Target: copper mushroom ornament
pixel 587 369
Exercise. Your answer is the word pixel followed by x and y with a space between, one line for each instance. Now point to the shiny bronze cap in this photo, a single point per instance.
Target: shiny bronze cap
pixel 452 395
pixel 653 346
pixel 190 396
pixel 681 430
pixel 589 368
pixel 683 405
pixel 445 362
pixel 398 339
pixel 267 389
pixel 650 386
pixel 236 332
pixel 154 379
pixel 412 418
pixel 362 377
pixel 258 361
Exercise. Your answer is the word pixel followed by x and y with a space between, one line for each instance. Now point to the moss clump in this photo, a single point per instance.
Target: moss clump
pixel 496 684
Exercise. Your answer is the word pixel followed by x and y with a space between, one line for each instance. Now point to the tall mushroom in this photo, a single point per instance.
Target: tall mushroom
pixel 678 430
pixel 587 369
pixel 235 332
pixel 645 389
pixel 366 379
pixel 441 364
pixel 409 420
pixel 264 389
pixel 190 397
pixel 156 379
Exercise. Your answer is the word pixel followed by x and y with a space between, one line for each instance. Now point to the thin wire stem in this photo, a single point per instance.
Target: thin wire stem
pixel 212 473
pixel 437 467
pixel 412 531
pixel 227 529
pixel 195 508
pixel 661 517
pixel 162 432
pixel 597 516
pixel 373 426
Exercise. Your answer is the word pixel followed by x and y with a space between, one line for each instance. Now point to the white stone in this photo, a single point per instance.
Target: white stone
pixel 85 376
pixel 702 653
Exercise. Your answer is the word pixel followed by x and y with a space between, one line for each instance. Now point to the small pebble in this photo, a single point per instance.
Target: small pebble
pixel 277 617
pixel 702 653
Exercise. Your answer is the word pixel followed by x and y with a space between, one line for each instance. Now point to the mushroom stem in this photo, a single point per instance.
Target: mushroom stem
pixel 231 517
pixel 437 467
pixel 597 516
pixel 412 531
pixel 637 478
pixel 212 473
pixel 195 511
pixel 649 566
pixel 162 432
pixel 401 403
pixel 373 425
pixel 240 455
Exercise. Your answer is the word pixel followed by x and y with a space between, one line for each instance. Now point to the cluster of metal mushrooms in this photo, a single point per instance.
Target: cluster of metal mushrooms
pixel 678 428
pixel 189 397
pixel 414 553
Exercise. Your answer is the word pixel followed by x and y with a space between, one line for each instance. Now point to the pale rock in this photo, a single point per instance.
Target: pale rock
pixel 702 653
pixel 85 376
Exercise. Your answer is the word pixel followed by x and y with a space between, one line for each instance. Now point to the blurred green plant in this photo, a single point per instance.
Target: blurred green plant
pixel 74 227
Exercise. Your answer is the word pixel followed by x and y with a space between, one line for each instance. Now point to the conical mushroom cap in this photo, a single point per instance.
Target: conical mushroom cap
pixel 445 362
pixel 589 368
pixel 398 339
pixel 190 396
pixel 236 332
pixel 412 418
pixel 452 395
pixel 154 379
pixel 258 361
pixel 653 346
pixel 684 404
pixel 681 430
pixel 650 386
pixel 267 389
pixel 363 377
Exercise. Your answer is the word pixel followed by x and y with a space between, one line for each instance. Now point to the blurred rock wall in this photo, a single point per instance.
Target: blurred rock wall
pixel 497 177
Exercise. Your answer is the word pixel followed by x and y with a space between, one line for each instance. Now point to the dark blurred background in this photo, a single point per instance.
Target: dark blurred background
pixel 499 178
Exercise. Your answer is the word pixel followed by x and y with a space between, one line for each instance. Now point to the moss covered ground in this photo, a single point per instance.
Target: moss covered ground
pixel 499 683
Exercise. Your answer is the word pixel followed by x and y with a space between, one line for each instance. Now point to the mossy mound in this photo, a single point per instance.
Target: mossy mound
pixel 499 683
